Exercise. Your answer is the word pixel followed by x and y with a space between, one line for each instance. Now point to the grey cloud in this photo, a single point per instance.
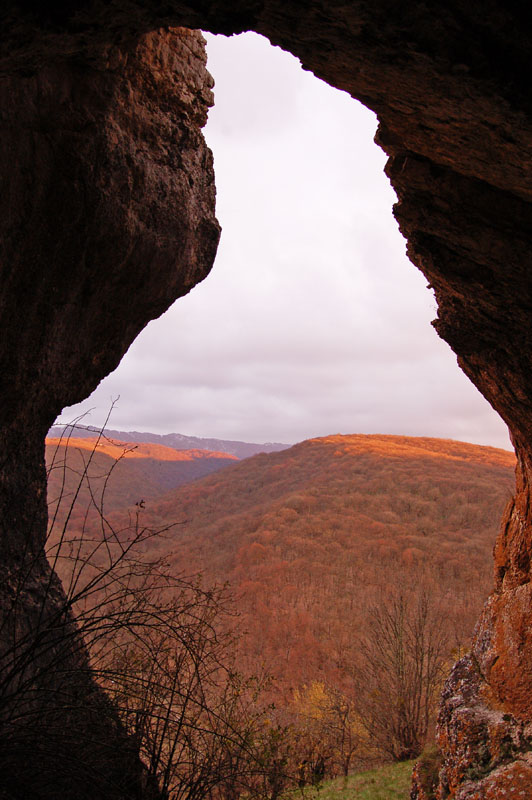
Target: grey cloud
pixel 312 321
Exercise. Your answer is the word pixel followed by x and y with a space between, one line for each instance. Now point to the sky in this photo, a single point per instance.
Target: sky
pixel 312 321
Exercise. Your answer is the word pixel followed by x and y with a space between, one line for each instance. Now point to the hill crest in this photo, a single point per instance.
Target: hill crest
pixel 393 445
pixel 125 449
pixel 176 441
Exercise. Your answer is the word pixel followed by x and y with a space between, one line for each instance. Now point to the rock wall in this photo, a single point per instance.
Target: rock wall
pixel 108 216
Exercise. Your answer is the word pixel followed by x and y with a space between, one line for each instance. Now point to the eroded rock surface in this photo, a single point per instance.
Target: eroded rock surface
pixel 107 216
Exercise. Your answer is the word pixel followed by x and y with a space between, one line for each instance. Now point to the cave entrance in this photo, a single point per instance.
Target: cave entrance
pixel 312 321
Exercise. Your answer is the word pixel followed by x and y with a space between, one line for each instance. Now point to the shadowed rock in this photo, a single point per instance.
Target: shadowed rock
pixel 107 216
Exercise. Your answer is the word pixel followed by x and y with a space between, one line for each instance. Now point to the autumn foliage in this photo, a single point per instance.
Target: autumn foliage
pixel 325 546
pixel 312 537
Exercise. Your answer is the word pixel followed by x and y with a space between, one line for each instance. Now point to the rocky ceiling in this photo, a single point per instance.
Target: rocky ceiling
pixel 107 216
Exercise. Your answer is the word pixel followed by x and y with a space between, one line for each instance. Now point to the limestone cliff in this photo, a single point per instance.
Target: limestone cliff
pixel 107 216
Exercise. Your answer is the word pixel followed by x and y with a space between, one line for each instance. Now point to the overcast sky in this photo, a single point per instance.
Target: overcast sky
pixel 313 321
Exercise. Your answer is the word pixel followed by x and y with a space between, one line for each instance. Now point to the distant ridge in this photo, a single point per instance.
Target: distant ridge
pixel 177 441
pixel 127 450
pixel 116 475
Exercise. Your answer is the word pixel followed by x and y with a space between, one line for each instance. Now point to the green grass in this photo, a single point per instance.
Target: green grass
pixel 385 783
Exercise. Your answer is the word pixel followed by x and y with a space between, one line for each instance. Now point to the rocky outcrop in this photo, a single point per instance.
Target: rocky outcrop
pixel 107 216
pixel 485 720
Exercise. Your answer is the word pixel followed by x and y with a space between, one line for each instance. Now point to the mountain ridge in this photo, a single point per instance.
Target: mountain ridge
pixel 119 474
pixel 176 441
pixel 120 449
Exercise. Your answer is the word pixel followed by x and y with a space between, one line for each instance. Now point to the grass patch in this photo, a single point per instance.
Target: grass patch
pixel 385 783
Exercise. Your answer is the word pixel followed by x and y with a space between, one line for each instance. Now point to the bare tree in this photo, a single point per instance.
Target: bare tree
pixel 400 671
pixel 49 701
pixel 195 720
pixel 156 651
pixel 329 732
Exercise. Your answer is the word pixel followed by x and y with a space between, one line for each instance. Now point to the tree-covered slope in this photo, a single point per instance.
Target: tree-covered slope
pixel 313 537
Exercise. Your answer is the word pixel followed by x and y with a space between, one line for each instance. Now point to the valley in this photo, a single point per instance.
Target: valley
pixel 328 548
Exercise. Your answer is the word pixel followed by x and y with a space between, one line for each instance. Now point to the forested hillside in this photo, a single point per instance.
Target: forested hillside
pixel 312 537
pixel 116 474
pixel 358 566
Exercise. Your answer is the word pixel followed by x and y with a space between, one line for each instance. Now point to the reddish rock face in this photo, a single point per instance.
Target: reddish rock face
pixel 108 184
pixel 107 216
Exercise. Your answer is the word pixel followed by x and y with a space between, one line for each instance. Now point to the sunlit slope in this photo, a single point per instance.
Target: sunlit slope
pixel 118 449
pixel 398 486
pixel 309 537
pixel 113 475
pixel 312 536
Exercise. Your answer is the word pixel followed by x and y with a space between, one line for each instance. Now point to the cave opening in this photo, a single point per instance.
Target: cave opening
pixel 313 320
pixel 448 87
